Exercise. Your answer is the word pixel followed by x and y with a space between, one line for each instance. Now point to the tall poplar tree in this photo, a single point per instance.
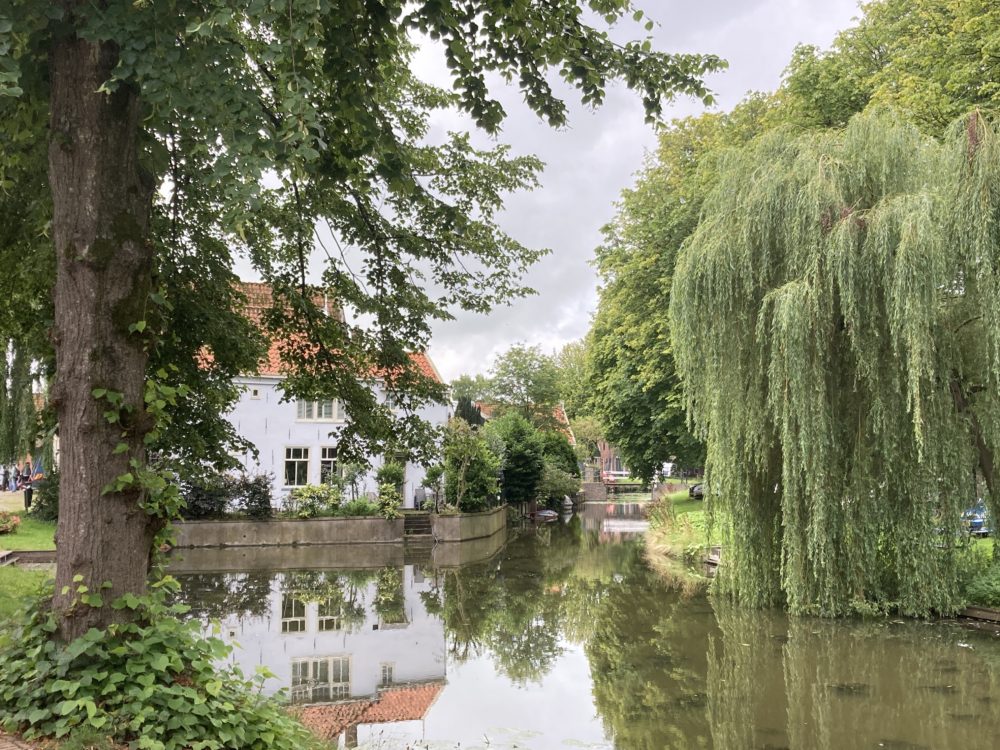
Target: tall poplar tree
pixel 186 128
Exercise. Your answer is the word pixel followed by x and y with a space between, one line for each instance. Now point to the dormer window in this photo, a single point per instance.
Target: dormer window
pixel 318 411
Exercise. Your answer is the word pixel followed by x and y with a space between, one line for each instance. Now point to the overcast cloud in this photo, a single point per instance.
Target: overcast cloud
pixel 590 162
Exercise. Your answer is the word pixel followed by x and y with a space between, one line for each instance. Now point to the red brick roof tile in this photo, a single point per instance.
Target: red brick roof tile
pixel 407 703
pixel 260 299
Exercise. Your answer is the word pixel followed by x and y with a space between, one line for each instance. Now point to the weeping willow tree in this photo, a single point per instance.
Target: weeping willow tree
pixel 836 318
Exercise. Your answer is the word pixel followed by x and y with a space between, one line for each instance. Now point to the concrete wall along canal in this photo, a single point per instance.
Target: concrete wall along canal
pixel 287 532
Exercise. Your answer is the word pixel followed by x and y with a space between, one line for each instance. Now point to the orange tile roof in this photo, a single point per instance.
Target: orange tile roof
pixel 407 703
pixel 260 298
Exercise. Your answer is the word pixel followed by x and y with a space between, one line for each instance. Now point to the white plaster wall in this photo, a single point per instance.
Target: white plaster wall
pixel 417 651
pixel 272 426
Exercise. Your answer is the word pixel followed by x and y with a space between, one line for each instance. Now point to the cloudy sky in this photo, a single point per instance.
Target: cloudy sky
pixel 596 156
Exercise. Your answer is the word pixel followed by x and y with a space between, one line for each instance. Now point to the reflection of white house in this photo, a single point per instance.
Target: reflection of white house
pixel 353 676
pixel 296 440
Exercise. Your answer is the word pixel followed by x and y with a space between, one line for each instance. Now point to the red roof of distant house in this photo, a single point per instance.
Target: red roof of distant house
pixel 558 415
pixel 410 703
pixel 260 299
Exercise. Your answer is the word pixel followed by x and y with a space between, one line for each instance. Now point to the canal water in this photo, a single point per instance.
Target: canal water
pixel 564 638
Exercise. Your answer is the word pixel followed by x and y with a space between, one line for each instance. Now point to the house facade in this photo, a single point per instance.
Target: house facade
pixel 296 441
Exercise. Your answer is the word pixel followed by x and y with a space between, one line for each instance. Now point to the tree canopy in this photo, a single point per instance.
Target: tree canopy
pixel 837 330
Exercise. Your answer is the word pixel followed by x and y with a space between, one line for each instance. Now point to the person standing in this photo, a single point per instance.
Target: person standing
pixel 26 483
pixel 6 478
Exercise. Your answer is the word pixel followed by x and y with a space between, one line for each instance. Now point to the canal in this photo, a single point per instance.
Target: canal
pixel 564 638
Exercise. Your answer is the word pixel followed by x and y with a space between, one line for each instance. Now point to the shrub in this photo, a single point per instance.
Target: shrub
pixel 8 522
pixel 205 498
pixel 45 501
pixel 359 507
pixel 252 495
pixel 556 484
pixel 390 473
pixel 984 587
pixel 314 500
pixel 522 462
pixel 151 683
pixel 557 451
pixel 470 468
pixel 389 501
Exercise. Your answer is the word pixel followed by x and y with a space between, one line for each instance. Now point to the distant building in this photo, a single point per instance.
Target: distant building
pixel 296 440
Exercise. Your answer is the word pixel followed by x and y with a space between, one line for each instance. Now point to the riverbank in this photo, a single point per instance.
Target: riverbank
pixel 680 537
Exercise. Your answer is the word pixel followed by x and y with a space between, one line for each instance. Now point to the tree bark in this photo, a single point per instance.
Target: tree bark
pixel 101 214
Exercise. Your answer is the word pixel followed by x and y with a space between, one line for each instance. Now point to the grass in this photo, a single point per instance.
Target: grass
pixel 16 584
pixel 675 542
pixel 31 534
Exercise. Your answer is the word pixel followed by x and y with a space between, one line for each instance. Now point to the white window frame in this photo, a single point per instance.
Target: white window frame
pixel 312 411
pixel 325 458
pixel 303 459
pixel 326 621
pixel 294 623
pixel 305 684
pixel 387 673
pixel 255 392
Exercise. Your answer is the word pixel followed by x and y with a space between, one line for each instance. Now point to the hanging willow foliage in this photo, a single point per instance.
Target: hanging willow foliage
pixel 836 321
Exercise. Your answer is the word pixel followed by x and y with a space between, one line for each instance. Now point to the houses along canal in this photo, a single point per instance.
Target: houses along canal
pixel 565 638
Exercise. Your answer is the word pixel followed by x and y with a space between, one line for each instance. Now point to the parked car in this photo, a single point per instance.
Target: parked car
pixel 697 492
pixel 977 519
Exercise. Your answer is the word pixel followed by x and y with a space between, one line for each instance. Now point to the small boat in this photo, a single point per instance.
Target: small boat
pixel 544 516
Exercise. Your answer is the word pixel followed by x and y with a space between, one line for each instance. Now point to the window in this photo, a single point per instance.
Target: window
pixel 255 393
pixel 329 612
pixel 327 465
pixel 318 411
pixel 387 669
pixel 296 467
pixel 320 680
pixel 293 614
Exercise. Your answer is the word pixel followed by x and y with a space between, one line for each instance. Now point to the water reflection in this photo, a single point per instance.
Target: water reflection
pixel 566 636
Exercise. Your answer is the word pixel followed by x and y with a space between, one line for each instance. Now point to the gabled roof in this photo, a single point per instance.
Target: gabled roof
pixel 407 703
pixel 260 298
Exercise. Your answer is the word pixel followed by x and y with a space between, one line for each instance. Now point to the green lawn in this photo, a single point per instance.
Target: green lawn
pixel 31 534
pixel 15 584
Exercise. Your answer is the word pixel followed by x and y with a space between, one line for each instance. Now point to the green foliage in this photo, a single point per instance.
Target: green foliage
pixel 556 484
pixel 931 60
pixel 465 409
pixel 251 495
pixel 522 456
pixel 358 507
pixel 470 468
pixel 471 388
pixel 839 353
pixel 984 587
pixel 45 499
pixel 573 380
pixel 525 381
pixel 390 598
pixel 154 682
pixel 17 586
pixel 634 389
pixel 389 501
pixel 313 501
pixel 557 451
pixel 207 498
pixel 391 472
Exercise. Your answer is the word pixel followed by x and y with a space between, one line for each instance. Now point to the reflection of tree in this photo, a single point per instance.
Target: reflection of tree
pixel 831 684
pixel 217 596
pixel 647 661
pixel 390 599
pixel 339 593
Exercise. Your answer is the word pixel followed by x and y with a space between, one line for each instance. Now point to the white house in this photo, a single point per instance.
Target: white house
pixel 296 440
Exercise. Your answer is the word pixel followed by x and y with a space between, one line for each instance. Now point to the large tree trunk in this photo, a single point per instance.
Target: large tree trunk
pixel 101 210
